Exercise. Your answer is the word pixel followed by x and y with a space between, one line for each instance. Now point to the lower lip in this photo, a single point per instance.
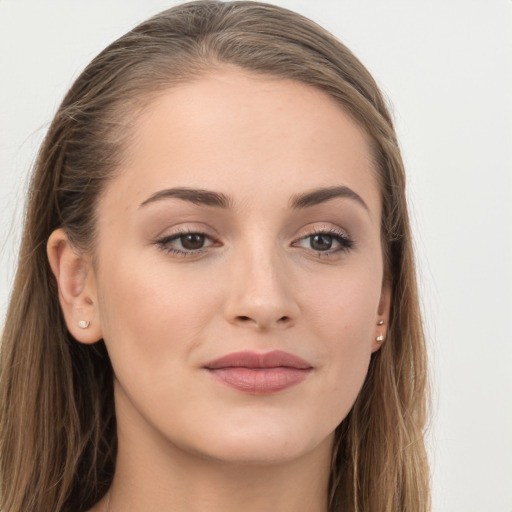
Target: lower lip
pixel 261 381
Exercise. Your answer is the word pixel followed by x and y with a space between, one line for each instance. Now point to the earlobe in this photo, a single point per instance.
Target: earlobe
pixel 76 286
pixel 382 321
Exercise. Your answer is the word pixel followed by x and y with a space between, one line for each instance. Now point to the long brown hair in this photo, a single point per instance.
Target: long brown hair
pixel 58 429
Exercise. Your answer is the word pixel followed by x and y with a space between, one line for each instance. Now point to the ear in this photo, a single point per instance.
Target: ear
pixel 382 317
pixel 76 284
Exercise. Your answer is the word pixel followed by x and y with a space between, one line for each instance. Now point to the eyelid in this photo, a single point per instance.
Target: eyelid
pixel 322 228
pixel 164 241
pixel 344 241
pixel 340 235
pixel 185 228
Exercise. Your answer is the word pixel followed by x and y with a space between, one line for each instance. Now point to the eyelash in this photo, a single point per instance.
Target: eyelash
pixel 345 242
pixel 164 243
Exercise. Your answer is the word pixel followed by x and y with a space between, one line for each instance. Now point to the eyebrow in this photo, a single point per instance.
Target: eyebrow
pixel 193 195
pixel 219 200
pixel 321 195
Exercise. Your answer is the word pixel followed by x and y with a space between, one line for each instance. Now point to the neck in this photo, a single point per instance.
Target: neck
pixel 157 476
pixel 209 486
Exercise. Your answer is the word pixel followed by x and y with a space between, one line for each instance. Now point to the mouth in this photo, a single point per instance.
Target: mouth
pixel 260 374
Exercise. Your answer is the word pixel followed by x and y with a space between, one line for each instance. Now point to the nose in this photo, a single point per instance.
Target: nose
pixel 261 294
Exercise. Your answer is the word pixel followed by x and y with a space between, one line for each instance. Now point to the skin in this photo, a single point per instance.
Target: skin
pixel 188 442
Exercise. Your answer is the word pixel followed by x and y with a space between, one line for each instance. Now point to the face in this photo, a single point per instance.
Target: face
pixel 238 269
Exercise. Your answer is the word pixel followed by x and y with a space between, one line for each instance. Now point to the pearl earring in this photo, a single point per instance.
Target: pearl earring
pixel 381 322
pixel 380 338
pixel 83 324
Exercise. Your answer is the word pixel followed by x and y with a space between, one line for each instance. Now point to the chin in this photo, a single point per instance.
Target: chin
pixel 268 445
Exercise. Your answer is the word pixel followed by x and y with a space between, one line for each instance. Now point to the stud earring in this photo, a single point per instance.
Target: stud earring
pixel 379 339
pixel 381 322
pixel 83 324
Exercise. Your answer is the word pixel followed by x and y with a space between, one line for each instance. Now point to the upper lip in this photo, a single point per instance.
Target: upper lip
pixel 249 359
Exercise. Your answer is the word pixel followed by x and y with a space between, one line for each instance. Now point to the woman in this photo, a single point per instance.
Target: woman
pixel 215 306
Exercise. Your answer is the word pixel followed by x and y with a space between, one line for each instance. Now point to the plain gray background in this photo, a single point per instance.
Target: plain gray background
pixel 446 67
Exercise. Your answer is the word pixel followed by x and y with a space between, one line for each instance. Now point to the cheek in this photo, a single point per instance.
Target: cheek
pixel 343 306
pixel 153 315
pixel 342 317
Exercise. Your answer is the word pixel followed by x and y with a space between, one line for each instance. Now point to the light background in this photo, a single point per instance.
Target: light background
pixel 446 66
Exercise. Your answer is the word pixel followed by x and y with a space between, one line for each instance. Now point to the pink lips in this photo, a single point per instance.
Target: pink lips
pixel 260 373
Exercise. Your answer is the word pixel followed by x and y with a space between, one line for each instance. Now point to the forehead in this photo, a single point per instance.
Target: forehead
pixel 246 134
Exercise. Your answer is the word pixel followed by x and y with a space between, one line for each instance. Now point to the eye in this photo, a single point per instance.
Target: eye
pixel 326 242
pixel 185 243
pixel 321 242
pixel 192 241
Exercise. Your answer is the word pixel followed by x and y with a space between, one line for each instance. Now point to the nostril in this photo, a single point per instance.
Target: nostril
pixel 264 322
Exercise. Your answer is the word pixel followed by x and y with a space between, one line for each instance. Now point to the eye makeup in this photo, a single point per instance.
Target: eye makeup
pixel 326 242
pixel 191 242
pixel 186 242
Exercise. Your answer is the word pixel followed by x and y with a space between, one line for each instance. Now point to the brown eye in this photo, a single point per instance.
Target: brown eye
pixel 326 243
pixel 185 244
pixel 192 241
pixel 321 242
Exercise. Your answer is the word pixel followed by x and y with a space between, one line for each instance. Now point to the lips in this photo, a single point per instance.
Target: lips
pixel 260 373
